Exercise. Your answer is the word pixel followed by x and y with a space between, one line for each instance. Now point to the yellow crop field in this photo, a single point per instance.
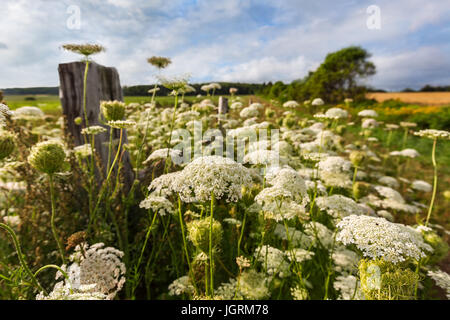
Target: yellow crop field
pixel 429 98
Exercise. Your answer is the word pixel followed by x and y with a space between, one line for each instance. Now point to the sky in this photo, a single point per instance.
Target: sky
pixel 226 40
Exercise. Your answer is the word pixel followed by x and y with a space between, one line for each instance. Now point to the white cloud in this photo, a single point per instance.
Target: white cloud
pixel 235 40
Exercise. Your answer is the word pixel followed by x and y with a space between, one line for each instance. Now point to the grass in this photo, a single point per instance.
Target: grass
pixel 51 104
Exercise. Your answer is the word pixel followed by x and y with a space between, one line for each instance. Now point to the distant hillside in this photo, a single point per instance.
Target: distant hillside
pixel 31 91
pixel 142 90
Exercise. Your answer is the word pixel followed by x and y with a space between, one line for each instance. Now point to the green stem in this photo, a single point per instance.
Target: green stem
pixel 433 158
pixel 147 236
pixel 105 185
pixel 211 260
pixel 111 130
pixel 241 235
pixel 22 261
pixel 405 137
pixel 84 93
pixel 354 175
pixel 170 134
pixel 52 220
pixel 180 216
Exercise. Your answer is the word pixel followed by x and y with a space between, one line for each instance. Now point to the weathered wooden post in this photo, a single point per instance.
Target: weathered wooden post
pixel 223 105
pixel 103 83
pixel 223 110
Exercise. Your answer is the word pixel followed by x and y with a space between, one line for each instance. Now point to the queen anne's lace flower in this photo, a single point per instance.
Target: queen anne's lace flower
pixel 349 287
pixel 433 134
pixel 163 154
pixel 273 260
pixel 369 123
pixel 180 286
pixel 121 124
pixel 158 204
pixel 63 291
pixel 392 200
pixel 345 261
pixel 339 206
pixel 292 181
pixel 98 265
pixel 410 153
pixel 83 151
pixel 442 280
pixel 229 290
pixel 211 174
pixel 93 130
pixel 249 112
pixel 254 285
pixel 96 273
pixel 334 164
pixel 315 102
pixel 421 185
pixel 320 232
pixel 163 185
pixel 389 181
pixel 264 157
pixel 333 113
pixel 28 113
pixel 368 113
pixel 299 255
pixel 291 104
pixel 379 238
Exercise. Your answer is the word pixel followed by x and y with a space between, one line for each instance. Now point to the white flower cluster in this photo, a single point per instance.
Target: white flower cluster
pixel 236 105
pixel 368 113
pixel 345 261
pixel 263 157
pixel 4 113
pixel 163 154
pixel 442 280
pixel 96 272
pixel 83 151
pixel 433 134
pixel 28 113
pixel 334 164
pixel 297 237
pixel 157 204
pixel 273 260
pixel 334 171
pixel 339 206
pixel 315 102
pixel 229 290
pixel 392 200
pixel 379 238
pixel 389 181
pixel 209 175
pixel 410 153
pixel 349 287
pixel 333 113
pixel 292 181
pixel 291 104
pixel 63 291
pixel 369 123
pixel 93 130
pixel 317 231
pixel 180 286
pixel 249 112
pixel 421 185
pixel 299 255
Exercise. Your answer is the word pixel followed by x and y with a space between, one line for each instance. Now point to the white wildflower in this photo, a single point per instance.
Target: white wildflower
pixel 379 238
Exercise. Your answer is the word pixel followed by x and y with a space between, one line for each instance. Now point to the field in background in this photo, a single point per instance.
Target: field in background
pixel 428 98
pixel 51 104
